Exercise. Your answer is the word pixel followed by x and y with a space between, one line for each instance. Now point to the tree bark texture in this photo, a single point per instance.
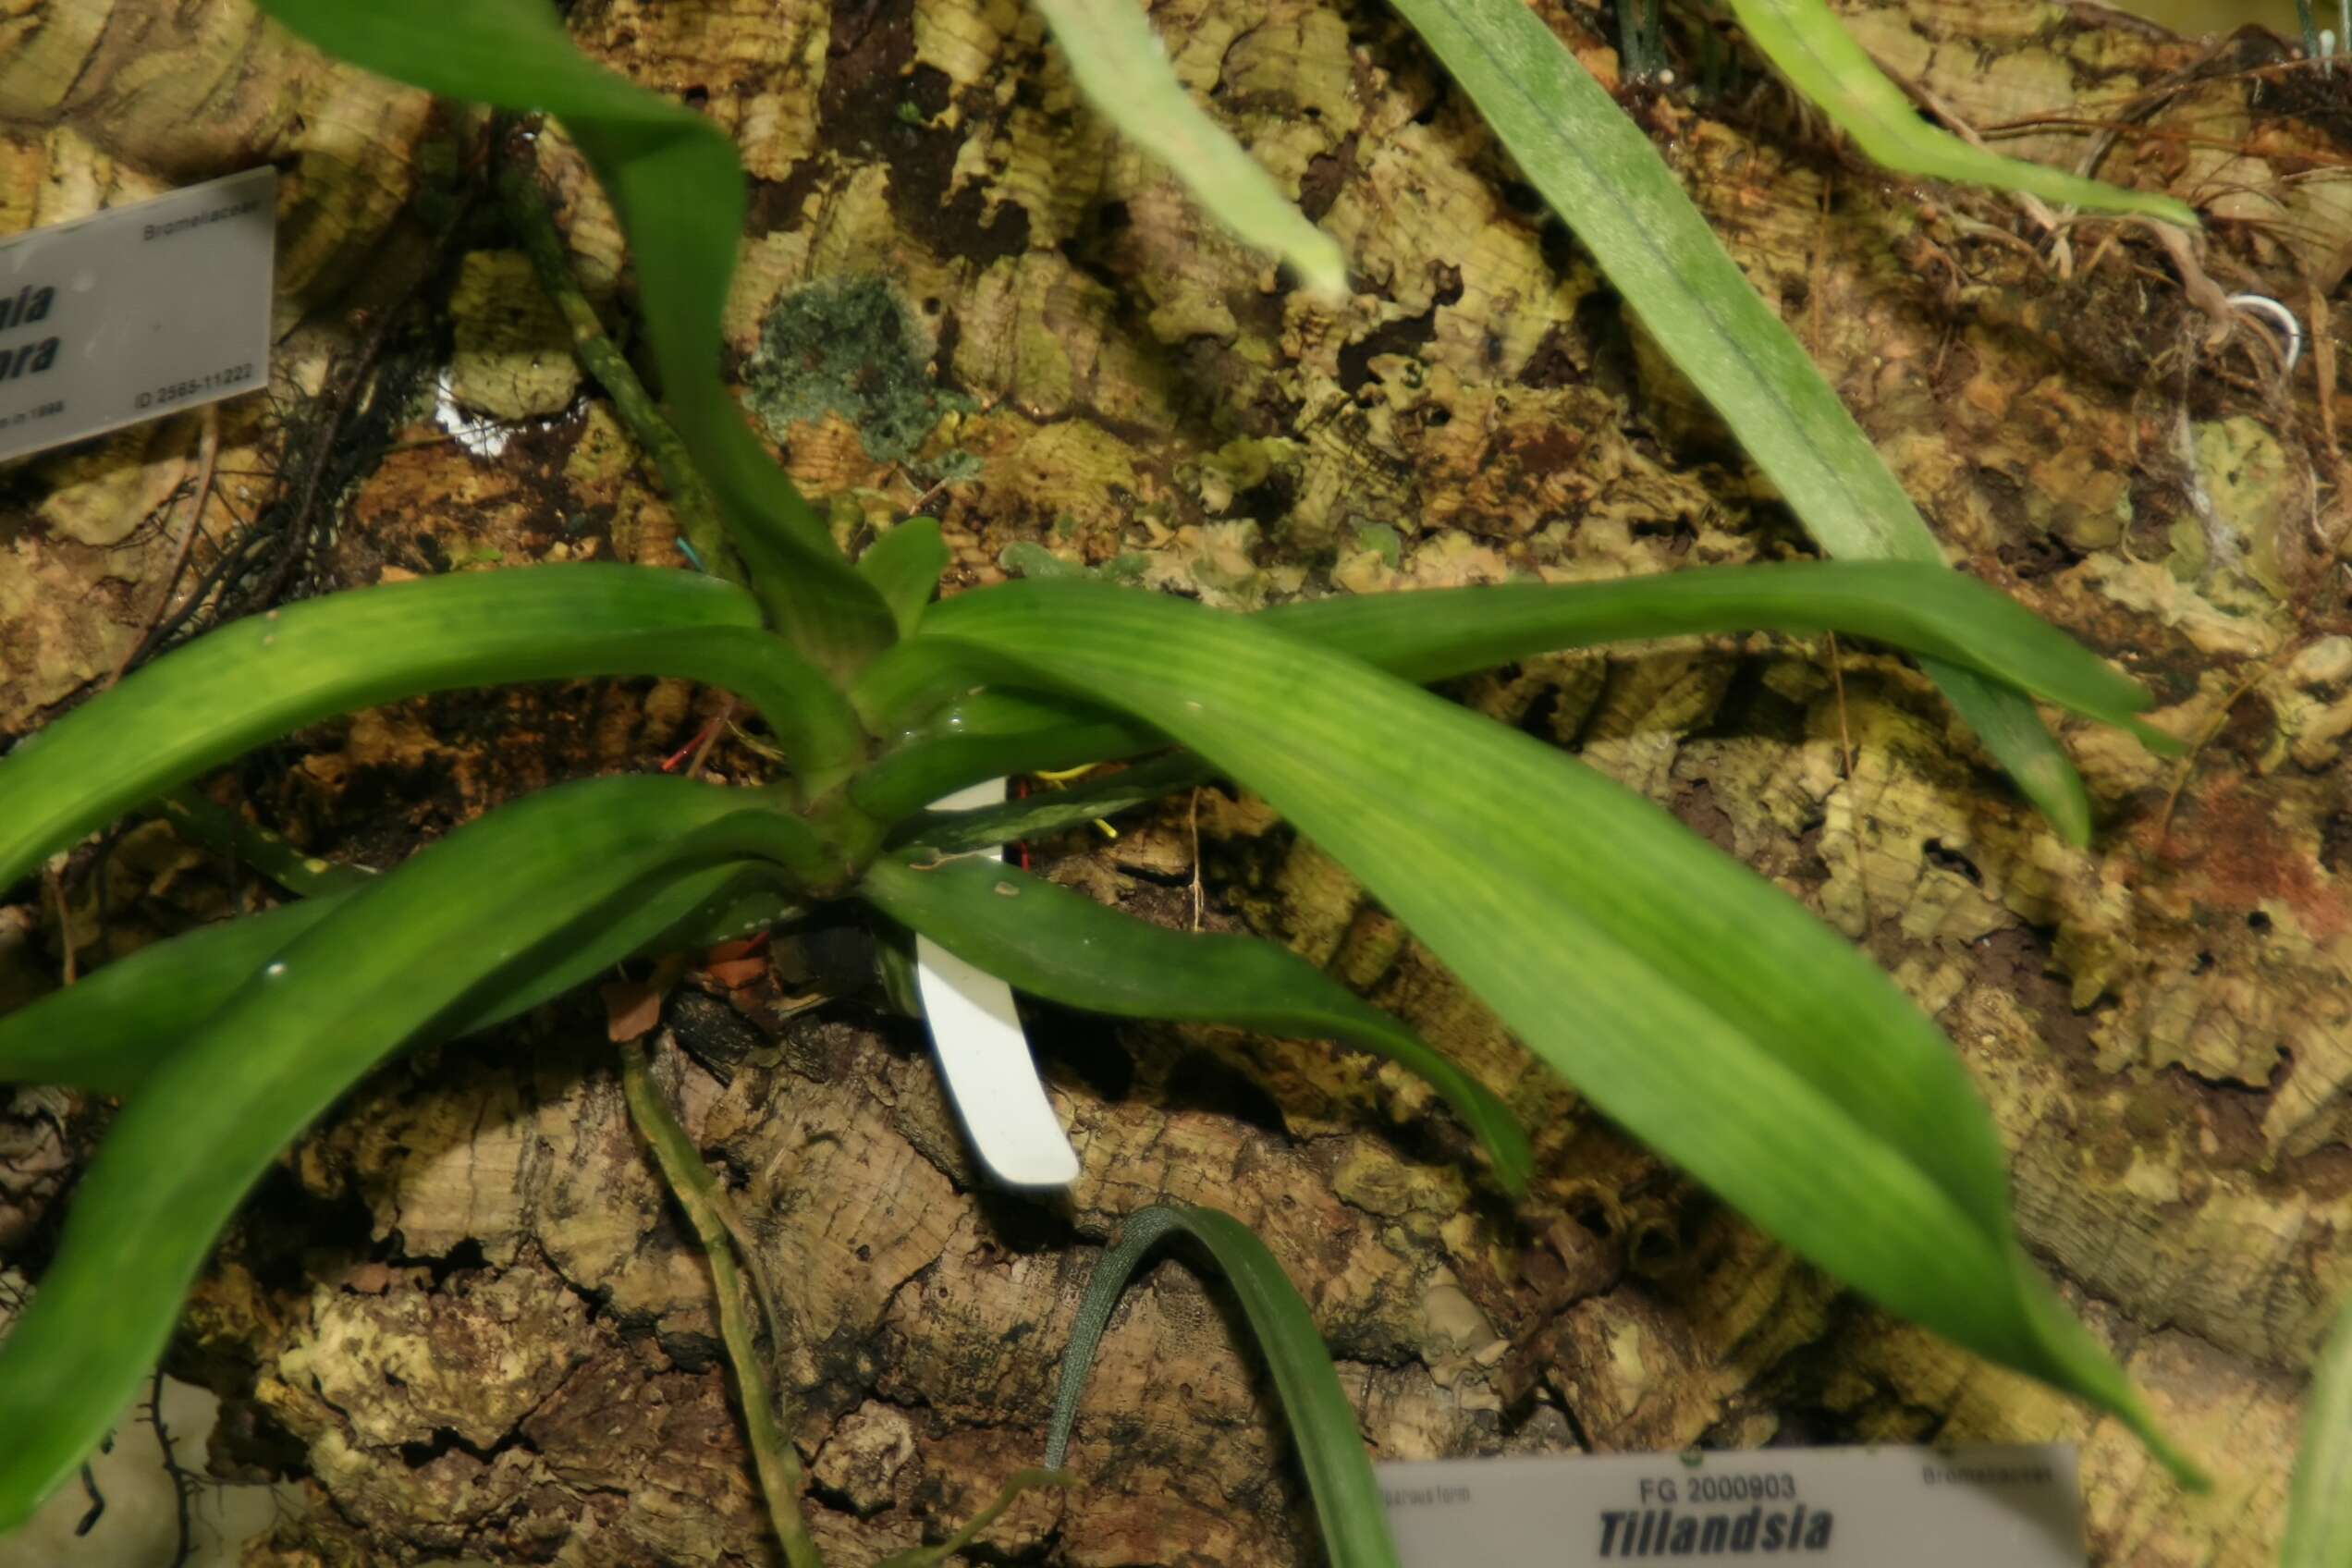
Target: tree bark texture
pixel 462 1312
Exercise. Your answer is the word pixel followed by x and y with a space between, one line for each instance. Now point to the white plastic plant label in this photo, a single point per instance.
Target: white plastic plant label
pixel 136 312
pixel 2020 1507
pixel 983 1056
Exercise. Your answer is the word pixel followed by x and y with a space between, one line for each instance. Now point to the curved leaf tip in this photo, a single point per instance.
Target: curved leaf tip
pixel 1348 1506
pixel 1118 64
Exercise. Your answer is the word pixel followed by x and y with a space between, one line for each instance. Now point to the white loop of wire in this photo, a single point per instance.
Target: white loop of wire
pixel 2278 315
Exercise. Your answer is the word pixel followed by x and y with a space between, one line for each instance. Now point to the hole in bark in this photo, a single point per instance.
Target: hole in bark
pixel 690 1352
pixel 1524 199
pixel 1024 1227
pixel 1593 1215
pixel 1751 709
pixel 1655 1245
pixel 466 1255
pixel 1678 532
pixel 1952 860
pixel 249 1444
pixel 445 1441
pixel 1406 339
pixel 1267 503
pixel 2335 842
pixel 283 1225
pixel 1084 1043
pixel 1201 1081
pixel 1540 719
pixel 930 90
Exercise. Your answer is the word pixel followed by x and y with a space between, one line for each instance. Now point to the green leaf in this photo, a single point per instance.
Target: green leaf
pixel 113 1029
pixel 259 678
pixel 904 566
pixel 2319 1504
pixel 1689 999
pixel 986 734
pixel 1047 812
pixel 1806 41
pixel 679 192
pixel 1600 173
pixel 1124 72
pixel 196 815
pixel 1347 1498
pixel 110 1030
pixel 1066 947
pixel 1433 634
pixel 2010 729
pixel 503 895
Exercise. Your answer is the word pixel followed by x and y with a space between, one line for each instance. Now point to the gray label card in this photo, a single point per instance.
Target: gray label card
pixel 2020 1507
pixel 136 312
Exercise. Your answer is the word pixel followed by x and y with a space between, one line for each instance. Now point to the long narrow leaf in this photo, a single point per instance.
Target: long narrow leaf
pixel 1604 178
pixel 1052 811
pixel 1433 634
pixel 1119 64
pixel 196 815
pixel 1690 1000
pixel 1816 53
pixel 1066 947
pixel 989 734
pixel 508 892
pixel 1347 1498
pixel 110 1032
pixel 2319 1505
pixel 679 192
pixel 259 678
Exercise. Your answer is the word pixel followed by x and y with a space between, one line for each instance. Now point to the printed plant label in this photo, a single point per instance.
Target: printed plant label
pixel 1819 1508
pixel 983 1056
pixel 136 312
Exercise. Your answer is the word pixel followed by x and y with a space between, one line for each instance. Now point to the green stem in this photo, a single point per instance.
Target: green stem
pixel 690 496
pixel 690 1182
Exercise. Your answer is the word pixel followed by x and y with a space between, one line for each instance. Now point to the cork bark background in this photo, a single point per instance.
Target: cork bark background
pixel 461 1315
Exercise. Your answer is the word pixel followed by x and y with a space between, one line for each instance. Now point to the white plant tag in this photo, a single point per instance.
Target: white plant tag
pixel 2018 1506
pixel 136 312
pixel 983 1057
